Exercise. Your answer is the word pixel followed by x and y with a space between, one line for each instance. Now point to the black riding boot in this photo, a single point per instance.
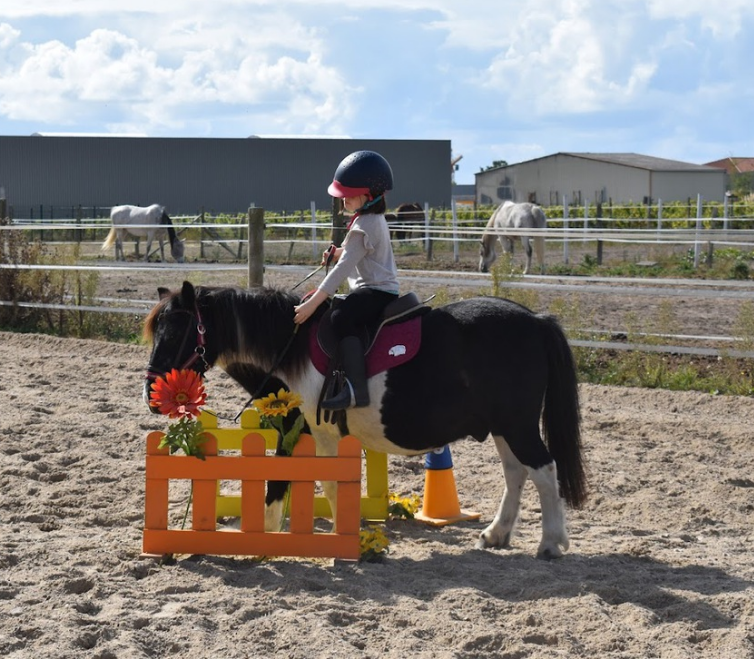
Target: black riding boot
pixel 355 392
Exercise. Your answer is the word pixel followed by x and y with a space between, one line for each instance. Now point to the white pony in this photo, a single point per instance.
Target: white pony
pixel 510 215
pixel 133 220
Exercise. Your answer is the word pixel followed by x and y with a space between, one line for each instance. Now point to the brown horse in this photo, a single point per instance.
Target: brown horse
pixel 408 213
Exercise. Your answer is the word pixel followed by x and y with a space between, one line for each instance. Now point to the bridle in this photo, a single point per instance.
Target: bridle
pixel 198 352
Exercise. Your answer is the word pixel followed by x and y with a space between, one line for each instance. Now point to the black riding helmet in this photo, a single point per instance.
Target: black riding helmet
pixel 362 172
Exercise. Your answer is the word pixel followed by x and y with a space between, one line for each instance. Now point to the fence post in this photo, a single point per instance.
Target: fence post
pixel 201 233
pixel 256 247
pixel 313 213
pixel 79 231
pixel 565 227
pixel 586 222
pixel 456 255
pixel 698 229
pixel 338 222
pixel 427 242
pixel 429 239
pixel 600 224
pixel 3 207
pixel 726 210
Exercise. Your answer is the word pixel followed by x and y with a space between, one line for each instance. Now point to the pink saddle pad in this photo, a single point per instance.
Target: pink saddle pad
pixel 395 345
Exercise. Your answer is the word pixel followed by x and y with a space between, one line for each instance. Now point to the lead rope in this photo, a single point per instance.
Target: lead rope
pixel 266 378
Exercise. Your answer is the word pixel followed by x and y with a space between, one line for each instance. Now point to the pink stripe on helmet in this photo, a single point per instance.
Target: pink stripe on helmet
pixel 337 189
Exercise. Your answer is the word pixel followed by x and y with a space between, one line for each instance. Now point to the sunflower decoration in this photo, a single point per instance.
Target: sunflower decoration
pixel 403 507
pixel 180 395
pixel 373 544
pixel 273 409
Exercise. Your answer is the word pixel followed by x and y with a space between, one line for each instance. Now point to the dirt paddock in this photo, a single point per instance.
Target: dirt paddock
pixel 659 566
pixel 660 562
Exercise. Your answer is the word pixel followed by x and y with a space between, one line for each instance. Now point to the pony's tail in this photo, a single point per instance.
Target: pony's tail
pixel 110 240
pixel 177 247
pixel 561 416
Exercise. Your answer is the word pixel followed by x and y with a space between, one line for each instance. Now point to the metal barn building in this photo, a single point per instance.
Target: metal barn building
pixel 186 175
pixel 599 177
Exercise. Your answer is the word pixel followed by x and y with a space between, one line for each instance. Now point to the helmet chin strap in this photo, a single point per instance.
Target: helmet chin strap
pixel 371 202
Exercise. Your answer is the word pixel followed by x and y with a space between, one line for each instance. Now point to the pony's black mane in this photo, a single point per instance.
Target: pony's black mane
pixel 254 325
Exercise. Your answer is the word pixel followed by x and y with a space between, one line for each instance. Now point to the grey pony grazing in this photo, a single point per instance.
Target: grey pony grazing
pixel 510 215
pixel 148 222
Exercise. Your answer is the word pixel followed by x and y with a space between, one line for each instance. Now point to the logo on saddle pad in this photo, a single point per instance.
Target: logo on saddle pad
pixel 395 344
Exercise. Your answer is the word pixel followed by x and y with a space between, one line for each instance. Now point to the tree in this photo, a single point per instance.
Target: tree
pixel 742 183
pixel 495 164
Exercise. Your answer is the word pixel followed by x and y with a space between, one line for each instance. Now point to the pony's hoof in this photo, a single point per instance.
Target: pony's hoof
pixel 549 553
pixel 488 541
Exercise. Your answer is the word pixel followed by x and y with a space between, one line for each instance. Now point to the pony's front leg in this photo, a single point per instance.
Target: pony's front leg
pixel 119 255
pixel 528 250
pixel 274 507
pixel 499 532
pixel 330 490
pixel 507 246
pixel 328 446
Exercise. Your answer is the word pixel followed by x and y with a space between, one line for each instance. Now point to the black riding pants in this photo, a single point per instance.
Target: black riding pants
pixel 359 308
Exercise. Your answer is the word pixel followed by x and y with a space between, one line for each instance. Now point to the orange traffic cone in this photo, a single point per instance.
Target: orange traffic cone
pixel 440 506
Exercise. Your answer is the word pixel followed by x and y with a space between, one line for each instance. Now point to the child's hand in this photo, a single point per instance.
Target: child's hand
pixel 304 310
pixel 331 254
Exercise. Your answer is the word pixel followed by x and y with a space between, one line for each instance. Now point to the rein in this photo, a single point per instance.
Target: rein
pixel 268 375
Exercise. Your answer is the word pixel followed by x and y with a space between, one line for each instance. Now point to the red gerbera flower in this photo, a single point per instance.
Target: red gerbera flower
pixel 179 394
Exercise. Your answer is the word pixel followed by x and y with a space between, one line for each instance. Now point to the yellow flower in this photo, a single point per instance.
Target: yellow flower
pixel 279 404
pixel 373 543
pixel 405 507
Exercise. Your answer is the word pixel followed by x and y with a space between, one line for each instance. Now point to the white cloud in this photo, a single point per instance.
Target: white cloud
pixel 722 18
pixel 501 79
pixel 8 35
pixel 568 63
pixel 141 83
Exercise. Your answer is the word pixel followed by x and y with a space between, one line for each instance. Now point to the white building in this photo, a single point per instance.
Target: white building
pixel 599 177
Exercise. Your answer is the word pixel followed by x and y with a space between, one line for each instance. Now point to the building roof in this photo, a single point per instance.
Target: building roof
pixel 733 165
pixel 636 160
pixel 641 161
pixel 464 190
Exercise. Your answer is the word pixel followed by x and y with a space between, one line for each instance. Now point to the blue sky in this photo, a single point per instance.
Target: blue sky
pixel 502 80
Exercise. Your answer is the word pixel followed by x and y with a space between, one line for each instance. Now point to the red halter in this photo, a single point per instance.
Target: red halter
pixel 198 352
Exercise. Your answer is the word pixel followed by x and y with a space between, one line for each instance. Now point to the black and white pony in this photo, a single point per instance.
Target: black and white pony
pixel 484 367
pixel 150 222
pixel 510 215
